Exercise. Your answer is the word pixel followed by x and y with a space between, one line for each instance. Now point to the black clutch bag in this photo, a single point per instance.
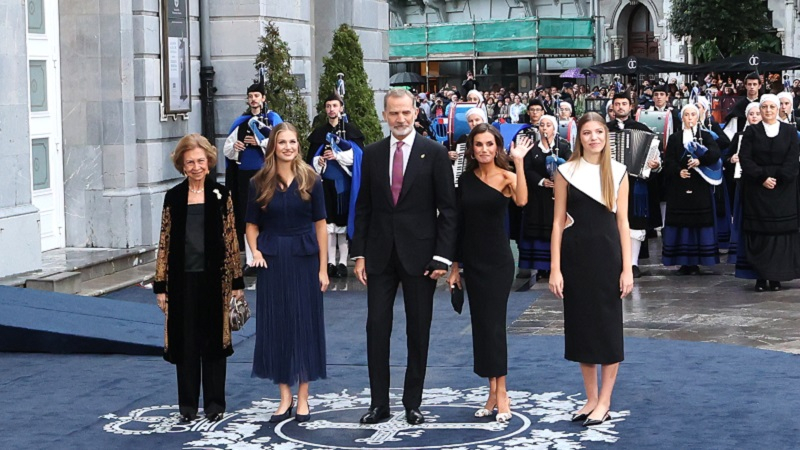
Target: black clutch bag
pixel 457 298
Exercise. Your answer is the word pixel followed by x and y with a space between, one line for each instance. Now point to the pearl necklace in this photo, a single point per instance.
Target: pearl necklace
pixel 199 191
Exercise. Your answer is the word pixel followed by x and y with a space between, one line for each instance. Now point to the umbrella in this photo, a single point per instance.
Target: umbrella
pixel 632 65
pixel 406 79
pixel 577 73
pixel 749 62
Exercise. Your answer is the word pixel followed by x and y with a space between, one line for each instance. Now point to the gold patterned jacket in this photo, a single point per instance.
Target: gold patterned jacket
pixel 223 271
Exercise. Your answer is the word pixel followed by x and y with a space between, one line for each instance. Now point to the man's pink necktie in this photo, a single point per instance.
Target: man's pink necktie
pixel 397 172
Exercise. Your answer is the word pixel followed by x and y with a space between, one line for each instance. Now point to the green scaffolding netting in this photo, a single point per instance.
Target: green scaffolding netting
pixel 529 36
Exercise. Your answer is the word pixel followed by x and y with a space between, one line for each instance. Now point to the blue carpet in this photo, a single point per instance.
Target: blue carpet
pixel 669 395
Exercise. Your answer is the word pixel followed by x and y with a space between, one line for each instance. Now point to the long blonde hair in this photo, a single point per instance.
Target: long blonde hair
pixel 267 180
pixel 606 175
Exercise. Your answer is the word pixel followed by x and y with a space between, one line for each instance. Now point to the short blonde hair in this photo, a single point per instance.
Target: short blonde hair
pixel 191 142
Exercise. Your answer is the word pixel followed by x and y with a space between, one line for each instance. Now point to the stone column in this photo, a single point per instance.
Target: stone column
pixel 102 195
pixel 790 22
pixel 689 53
pixel 20 238
pixel 616 46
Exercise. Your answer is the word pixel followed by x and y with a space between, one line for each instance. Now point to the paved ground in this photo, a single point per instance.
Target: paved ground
pixel 710 307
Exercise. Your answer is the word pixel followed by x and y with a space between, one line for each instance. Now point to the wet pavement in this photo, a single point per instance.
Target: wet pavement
pixel 711 307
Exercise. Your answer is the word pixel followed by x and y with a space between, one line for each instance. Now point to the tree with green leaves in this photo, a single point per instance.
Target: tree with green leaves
pixel 282 94
pixel 724 28
pixel 346 57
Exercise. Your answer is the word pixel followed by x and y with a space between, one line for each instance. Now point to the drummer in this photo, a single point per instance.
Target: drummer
pixel 661 104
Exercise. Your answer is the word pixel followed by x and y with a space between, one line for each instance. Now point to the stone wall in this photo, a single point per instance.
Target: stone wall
pixel 19 219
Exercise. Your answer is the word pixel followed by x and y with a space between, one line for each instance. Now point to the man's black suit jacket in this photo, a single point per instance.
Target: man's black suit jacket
pixel 413 226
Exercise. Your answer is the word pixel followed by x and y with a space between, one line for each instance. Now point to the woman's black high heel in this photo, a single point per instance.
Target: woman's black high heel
pixel 593 422
pixel 281 417
pixel 303 417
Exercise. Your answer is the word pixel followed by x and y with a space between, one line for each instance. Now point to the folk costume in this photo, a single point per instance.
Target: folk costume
pixel 722 200
pixel 640 203
pixel 537 215
pixel 341 178
pixel 733 174
pixel 770 241
pixel 198 267
pixel 240 166
pixel 689 233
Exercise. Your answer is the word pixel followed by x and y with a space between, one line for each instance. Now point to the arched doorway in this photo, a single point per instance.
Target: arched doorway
pixel 641 38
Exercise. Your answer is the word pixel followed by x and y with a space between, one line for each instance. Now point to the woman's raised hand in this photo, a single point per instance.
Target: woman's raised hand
pixel 519 151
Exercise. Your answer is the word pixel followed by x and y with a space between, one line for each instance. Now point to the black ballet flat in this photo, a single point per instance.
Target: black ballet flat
pixel 593 422
pixel 775 286
pixel 761 286
pixel 580 417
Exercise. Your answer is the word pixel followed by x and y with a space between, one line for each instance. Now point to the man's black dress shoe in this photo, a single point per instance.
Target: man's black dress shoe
pixel 774 285
pixel 375 414
pixel 214 417
pixel 414 417
pixel 186 418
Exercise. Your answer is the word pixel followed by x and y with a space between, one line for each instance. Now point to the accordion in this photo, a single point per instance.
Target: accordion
pixel 461 161
pixel 634 148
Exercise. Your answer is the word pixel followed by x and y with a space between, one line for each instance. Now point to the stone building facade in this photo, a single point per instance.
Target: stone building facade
pixel 98 152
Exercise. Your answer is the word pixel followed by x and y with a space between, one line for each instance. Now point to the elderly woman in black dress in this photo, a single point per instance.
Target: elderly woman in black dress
pixel 770 218
pixel 198 270
pixel 591 262
pixel 484 191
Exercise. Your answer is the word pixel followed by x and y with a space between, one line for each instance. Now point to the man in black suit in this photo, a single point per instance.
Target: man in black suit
pixel 399 239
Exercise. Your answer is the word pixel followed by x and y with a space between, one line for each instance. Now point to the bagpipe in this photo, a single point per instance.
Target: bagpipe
pixel 346 181
pixel 695 149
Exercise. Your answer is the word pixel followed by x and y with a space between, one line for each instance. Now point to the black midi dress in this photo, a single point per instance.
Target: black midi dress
pixel 488 270
pixel 591 263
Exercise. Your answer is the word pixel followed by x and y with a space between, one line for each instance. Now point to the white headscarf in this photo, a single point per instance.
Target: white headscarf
pixel 771 98
pixel 552 120
pixel 750 107
pixel 688 133
pixel 477 93
pixel 785 95
pixel 478 111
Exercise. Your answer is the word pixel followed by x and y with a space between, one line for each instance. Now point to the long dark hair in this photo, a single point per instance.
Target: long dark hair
pixel 500 160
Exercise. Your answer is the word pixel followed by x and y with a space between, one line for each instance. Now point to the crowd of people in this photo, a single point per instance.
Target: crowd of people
pixel 410 211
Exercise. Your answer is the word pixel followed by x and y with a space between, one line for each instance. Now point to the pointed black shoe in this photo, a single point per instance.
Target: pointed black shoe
pixel 580 417
pixel 414 417
pixel 774 285
pixel 375 415
pixel 592 422
pixel 761 286
pixel 281 417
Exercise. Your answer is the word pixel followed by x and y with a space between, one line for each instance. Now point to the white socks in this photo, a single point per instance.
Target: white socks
pixel 636 246
pixel 344 248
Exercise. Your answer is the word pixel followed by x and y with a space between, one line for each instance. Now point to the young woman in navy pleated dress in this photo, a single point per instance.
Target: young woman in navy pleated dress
pixel 287 230
pixel 591 266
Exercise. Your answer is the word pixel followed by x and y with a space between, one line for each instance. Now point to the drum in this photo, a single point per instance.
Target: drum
pixel 655 120
pixel 457 121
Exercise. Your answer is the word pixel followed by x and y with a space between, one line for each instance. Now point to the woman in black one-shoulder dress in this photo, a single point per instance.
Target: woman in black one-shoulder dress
pixel 591 266
pixel 484 190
